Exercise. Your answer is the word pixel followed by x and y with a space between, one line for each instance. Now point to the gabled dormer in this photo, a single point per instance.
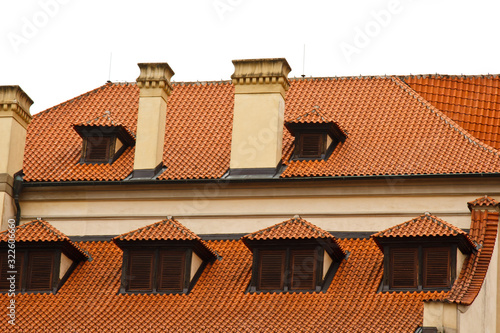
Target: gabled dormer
pixel 164 257
pixel 36 257
pixel 316 136
pixel 294 255
pixel 104 139
pixel 421 254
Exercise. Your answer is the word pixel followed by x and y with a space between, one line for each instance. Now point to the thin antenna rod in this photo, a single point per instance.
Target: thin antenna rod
pixel 110 60
pixel 304 62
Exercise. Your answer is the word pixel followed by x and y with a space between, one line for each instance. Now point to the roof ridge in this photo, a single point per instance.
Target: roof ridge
pixel 447 120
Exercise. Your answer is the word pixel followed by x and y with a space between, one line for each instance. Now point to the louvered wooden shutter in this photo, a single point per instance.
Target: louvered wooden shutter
pixel 172 270
pixel 303 275
pixel 97 148
pixel 271 269
pixel 40 271
pixel 4 267
pixel 140 272
pixel 404 268
pixel 436 267
pixel 311 145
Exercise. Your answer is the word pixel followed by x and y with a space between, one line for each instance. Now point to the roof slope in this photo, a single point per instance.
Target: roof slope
pixel 35 231
pixel 89 302
pixel 168 229
pixel 390 130
pixel 473 102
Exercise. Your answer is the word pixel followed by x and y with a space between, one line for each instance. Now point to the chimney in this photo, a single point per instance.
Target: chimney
pixel 155 87
pixel 260 86
pixel 14 119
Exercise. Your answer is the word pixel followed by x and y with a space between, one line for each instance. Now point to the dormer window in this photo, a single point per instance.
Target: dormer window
pixel 103 140
pixel 43 259
pixel 315 136
pixel 164 257
pixel 292 256
pixel 421 254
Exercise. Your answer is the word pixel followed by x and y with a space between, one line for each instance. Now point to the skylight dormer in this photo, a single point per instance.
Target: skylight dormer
pixel 294 255
pixel 164 257
pixel 42 259
pixel 421 254
pixel 104 139
pixel 315 136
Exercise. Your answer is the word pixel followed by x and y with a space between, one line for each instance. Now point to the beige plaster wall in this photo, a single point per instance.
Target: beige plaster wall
pixel 441 315
pixel 195 265
pixel 327 261
pixel 12 139
pixel 244 208
pixel 65 265
pixel 7 210
pixel 257 130
pixel 150 132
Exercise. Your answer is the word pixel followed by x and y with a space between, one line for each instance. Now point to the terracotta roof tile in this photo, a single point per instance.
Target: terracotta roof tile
pixel 35 231
pixel 294 228
pixel 199 125
pixel 485 201
pixel 423 225
pixel 89 302
pixel 168 229
pixel 483 230
pixel 472 102
pixel 40 231
pixel 311 117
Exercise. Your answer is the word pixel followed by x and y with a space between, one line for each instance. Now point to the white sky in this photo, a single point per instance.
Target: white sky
pixel 58 49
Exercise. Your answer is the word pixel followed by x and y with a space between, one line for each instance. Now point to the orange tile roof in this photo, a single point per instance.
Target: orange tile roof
pixel 168 229
pixel 104 120
pixel 473 102
pixel 423 225
pixel 483 230
pixel 89 302
pixel 310 117
pixel 485 201
pixel 294 228
pixel 199 125
pixel 40 231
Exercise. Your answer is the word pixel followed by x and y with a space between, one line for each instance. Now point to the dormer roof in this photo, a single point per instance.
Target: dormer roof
pixel 425 225
pixel 485 201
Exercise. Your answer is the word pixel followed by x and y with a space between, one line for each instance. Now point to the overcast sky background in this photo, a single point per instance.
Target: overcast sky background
pixel 58 49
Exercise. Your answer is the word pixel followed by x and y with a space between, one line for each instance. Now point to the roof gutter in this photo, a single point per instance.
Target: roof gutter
pixel 248 180
pixel 16 188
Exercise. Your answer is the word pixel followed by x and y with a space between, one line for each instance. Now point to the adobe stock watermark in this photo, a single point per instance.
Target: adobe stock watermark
pixel 363 36
pixel 222 7
pixel 33 24
pixel 11 270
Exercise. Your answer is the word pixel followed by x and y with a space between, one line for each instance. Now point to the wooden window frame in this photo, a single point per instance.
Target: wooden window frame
pixel 421 269
pixel 321 143
pixel 288 271
pixel 111 142
pixel 155 275
pixel 24 275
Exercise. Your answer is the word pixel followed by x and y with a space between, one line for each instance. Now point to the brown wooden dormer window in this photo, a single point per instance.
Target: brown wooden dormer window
pixel 35 271
pixel 288 269
pixel 157 270
pixel 97 148
pixel 311 145
pixel 419 267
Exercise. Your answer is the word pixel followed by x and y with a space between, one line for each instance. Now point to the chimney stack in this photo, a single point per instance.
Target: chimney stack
pixel 260 86
pixel 155 87
pixel 14 119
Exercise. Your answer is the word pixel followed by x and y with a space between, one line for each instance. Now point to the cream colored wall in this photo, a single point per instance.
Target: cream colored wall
pixel 460 261
pixel 327 261
pixel 257 130
pixel 65 265
pixel 150 132
pixel 13 137
pixel 244 208
pixel 195 264
pixel 481 316
pixel 6 209
pixel 443 316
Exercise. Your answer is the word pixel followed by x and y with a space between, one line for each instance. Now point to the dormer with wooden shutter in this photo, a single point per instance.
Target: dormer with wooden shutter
pixel 41 260
pixel 316 136
pixel 164 257
pixel 421 254
pixel 103 139
pixel 293 256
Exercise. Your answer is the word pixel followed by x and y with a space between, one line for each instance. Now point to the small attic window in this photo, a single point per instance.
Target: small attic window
pixel 35 271
pixel 311 145
pixel 97 148
pixel 157 270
